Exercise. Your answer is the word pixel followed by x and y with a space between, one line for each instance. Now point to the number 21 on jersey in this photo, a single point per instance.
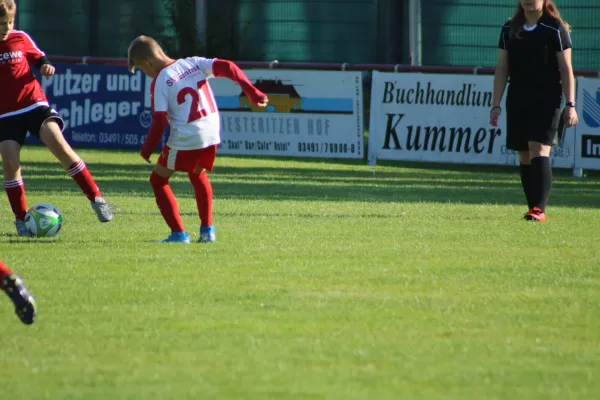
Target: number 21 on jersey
pixel 202 100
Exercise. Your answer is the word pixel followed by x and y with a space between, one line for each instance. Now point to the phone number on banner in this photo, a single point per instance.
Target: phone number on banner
pixel 326 148
pixel 127 139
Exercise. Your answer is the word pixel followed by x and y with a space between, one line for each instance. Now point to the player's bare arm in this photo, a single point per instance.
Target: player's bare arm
pixel 568 83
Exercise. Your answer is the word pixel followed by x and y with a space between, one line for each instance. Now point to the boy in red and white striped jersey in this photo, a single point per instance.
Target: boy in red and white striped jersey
pixel 182 98
pixel 24 108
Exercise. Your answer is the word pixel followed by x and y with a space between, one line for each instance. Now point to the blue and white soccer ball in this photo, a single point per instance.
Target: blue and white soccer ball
pixel 43 220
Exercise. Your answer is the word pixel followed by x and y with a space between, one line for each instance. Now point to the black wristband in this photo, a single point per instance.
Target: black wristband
pixel 42 61
pixel 493 108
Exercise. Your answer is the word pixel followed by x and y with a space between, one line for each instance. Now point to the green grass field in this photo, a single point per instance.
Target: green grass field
pixel 330 280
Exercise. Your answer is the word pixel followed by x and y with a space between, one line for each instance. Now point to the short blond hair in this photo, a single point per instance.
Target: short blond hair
pixel 142 48
pixel 8 8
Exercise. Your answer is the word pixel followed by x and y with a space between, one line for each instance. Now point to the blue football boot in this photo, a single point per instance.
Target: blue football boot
pixel 207 234
pixel 177 237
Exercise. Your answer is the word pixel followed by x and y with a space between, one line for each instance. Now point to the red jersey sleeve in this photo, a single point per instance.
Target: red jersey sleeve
pixel 227 69
pixel 157 130
pixel 32 52
pixel 159 118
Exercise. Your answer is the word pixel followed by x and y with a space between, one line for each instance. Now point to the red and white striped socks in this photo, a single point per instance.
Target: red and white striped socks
pixel 15 190
pixel 83 178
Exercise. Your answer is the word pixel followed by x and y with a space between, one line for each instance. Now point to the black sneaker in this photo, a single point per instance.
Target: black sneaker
pixel 22 299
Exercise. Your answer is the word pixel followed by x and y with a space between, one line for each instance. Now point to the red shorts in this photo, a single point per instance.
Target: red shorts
pixel 188 160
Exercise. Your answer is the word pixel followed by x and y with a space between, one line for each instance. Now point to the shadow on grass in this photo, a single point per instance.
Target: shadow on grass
pixel 12 237
pixel 314 181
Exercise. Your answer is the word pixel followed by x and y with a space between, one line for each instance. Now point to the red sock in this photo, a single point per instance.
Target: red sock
pixel 16 197
pixel 4 271
pixel 167 204
pixel 204 197
pixel 82 176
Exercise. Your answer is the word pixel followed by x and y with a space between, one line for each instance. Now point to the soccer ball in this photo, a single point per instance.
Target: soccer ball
pixel 43 220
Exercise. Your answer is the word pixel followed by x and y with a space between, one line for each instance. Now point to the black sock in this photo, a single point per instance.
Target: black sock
pixel 526 183
pixel 541 177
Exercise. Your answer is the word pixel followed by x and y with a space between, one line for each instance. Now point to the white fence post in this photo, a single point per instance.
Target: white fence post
pixel 414 29
pixel 201 11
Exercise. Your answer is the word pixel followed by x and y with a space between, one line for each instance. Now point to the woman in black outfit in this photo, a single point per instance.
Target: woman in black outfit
pixel 535 53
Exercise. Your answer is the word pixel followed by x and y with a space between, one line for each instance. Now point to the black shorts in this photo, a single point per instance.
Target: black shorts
pixel 16 127
pixel 531 119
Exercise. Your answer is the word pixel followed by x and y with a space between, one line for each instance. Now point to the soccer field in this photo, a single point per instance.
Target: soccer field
pixel 328 281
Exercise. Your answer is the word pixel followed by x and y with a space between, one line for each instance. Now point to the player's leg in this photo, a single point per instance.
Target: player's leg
pixel 516 139
pixel 204 198
pixel 13 286
pixel 12 137
pixel 542 138
pixel 166 201
pixel 541 172
pixel 205 159
pixel 525 172
pixel 50 132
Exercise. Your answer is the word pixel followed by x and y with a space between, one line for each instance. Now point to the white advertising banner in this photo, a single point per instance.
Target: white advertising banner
pixel 442 118
pixel 587 147
pixel 310 114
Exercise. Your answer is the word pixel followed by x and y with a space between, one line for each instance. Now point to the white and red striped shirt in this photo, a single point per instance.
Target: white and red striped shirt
pixel 182 98
pixel 19 90
pixel 182 91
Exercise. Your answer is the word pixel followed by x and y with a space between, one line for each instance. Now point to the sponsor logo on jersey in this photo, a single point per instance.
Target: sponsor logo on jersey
pixel 190 71
pixel 11 57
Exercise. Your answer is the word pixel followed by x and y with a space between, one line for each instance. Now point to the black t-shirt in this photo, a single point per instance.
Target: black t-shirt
pixel 532 61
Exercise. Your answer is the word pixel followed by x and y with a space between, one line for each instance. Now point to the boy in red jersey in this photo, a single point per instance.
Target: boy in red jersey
pixel 23 108
pixel 24 302
pixel 182 98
